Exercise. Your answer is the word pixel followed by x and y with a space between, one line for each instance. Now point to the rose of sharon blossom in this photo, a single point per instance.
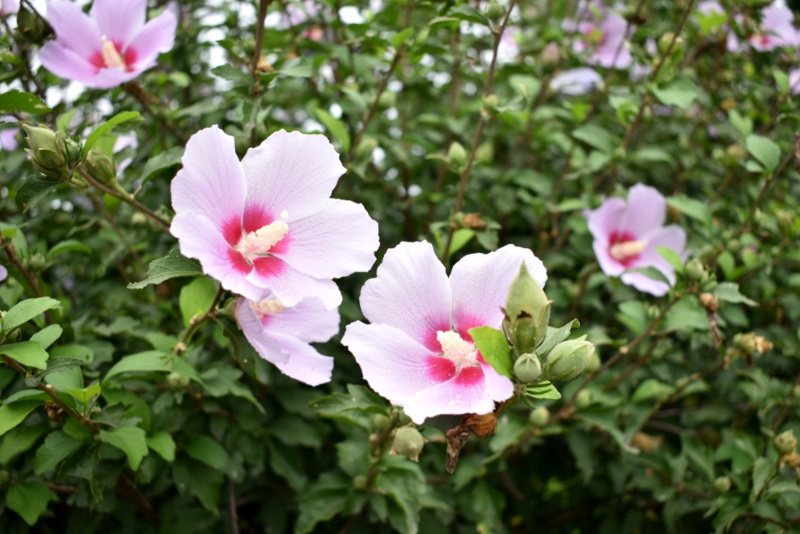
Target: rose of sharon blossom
pixel 109 46
pixel 8 7
pixel 8 136
pixel 626 236
pixel 281 335
pixel 602 34
pixel 3 273
pixel 417 352
pixel 268 222
pixel 777 29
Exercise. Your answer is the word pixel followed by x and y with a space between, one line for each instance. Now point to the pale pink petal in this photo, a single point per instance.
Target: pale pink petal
pixel 794 81
pixel 672 237
pixel 575 81
pixel 289 285
pixel 777 22
pixel 497 386
pixel 66 63
pixel 607 219
pixel 613 52
pixel 305 364
pixel 8 139
pixel 291 172
pixel 107 78
pixel 308 321
pixel 155 37
pixel 644 283
pixel 254 331
pixel 9 7
pixel 410 292
pixel 609 265
pixel 119 20
pixel 646 211
pixel 211 182
pixel 201 240
pixel 3 273
pixel 74 28
pixel 337 241
pixel 480 285
pixel 710 7
pixel 393 364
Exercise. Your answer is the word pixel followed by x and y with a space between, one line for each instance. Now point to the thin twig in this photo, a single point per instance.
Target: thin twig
pixel 33 282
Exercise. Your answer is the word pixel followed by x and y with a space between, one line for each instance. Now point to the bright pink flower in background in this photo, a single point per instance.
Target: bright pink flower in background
pixel 417 352
pixel 777 29
pixel 109 46
pixel 8 7
pixel 626 236
pixel 602 34
pixel 281 335
pixel 268 222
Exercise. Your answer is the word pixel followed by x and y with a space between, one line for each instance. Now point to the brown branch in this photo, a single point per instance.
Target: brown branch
pixel 33 282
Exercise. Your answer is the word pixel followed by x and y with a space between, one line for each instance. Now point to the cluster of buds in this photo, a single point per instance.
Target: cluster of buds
pixel 786 445
pixel 52 153
pixel 527 316
pixel 748 345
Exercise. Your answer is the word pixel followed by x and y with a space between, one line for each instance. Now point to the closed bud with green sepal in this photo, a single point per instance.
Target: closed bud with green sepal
pixel 785 443
pixel 100 166
pixel 408 442
pixel 528 368
pixel 51 153
pixel 527 313
pixel 568 360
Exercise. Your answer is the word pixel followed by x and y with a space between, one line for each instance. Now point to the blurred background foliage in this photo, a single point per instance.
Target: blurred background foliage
pixel 675 433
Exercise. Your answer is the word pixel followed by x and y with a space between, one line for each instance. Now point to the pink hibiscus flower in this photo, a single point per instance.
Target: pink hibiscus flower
pixel 268 222
pixel 109 46
pixel 603 36
pixel 281 335
pixel 417 352
pixel 626 236
pixel 8 7
pixel 777 29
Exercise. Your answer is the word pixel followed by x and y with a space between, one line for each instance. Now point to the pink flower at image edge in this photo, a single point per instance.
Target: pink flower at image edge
pixel 626 236
pixel 417 351
pixel 8 7
pixel 268 222
pixel 109 46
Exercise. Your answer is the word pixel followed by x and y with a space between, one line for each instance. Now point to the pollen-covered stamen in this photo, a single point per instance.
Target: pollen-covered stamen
pixel 259 243
pixel 461 352
pixel 111 57
pixel 626 249
pixel 267 307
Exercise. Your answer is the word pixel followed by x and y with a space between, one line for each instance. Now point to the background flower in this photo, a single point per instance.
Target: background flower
pixel 110 46
pixel 626 236
pixel 8 7
pixel 417 352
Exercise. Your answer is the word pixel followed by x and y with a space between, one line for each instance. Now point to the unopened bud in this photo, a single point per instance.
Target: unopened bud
pixel 594 363
pixel 380 421
pixel 551 53
pixel 527 312
pixel 177 380
pixel 457 157
pixel 584 399
pixel 666 39
pixel 51 153
pixel 710 302
pixel 100 166
pixel 494 11
pixel 539 417
pixel 722 484
pixel 528 368
pixel 387 99
pixel 751 343
pixel 30 26
pixel 567 360
pixel 490 103
pixel 785 443
pixel 360 482
pixel 695 271
pixel 408 442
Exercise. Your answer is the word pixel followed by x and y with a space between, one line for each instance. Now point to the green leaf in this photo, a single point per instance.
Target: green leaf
pixel 596 137
pixel 356 406
pixel 196 297
pixel 13 414
pixel 86 394
pixel 29 500
pixel 173 265
pixel 681 93
pixel 404 485
pixel 672 257
pixel 70 245
pixel 297 67
pixel 335 127
pixel 129 439
pixel 232 74
pixel 687 315
pixel 28 353
pixel 493 345
pixel 35 189
pixel 200 481
pixel 527 86
pixel 19 101
pixel 692 208
pixel 461 237
pixel 163 444
pixel 56 448
pixel 103 129
pixel 743 124
pixel 27 310
pixel 19 441
pixel 207 451
pixel 764 150
pixel 782 81
pixel 763 469
pixel 143 362
pixel 322 500
pixel 163 161
pixel 47 336
pixel 543 390
pixel 555 336
pixel 729 292
pixel 652 389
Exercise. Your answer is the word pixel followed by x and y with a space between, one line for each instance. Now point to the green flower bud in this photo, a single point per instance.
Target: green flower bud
pixel 387 99
pixel 177 380
pixel 785 443
pixel 100 166
pixel 785 220
pixel 408 442
pixel 594 363
pixel 567 360
pixel 796 392
pixel 30 26
pixel 539 416
pixel 695 271
pixel 490 103
pixel 527 313
pixel 380 421
pixel 584 399
pixel 528 368
pixel 722 484
pixel 494 11
pixel 360 482
pixel 457 157
pixel 51 154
